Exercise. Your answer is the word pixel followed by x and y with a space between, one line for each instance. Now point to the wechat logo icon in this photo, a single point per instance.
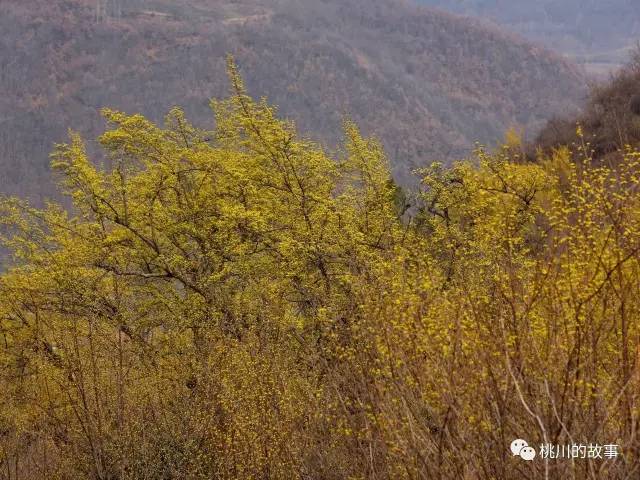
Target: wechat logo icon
pixel 522 449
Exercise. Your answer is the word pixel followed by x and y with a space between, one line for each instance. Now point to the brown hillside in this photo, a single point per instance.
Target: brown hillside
pixel 610 120
pixel 428 83
pixel 598 34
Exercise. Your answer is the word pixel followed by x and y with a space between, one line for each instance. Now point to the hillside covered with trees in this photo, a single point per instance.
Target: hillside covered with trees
pixel 609 122
pixel 598 34
pixel 242 304
pixel 427 83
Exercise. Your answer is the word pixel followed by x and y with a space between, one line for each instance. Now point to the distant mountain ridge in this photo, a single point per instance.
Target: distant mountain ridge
pixel 609 121
pixel 429 84
pixel 597 33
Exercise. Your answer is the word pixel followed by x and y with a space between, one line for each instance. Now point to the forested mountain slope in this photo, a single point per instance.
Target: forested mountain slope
pixel 596 33
pixel 428 83
pixel 609 123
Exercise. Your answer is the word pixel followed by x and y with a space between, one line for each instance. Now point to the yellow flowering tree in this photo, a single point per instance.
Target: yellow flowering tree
pixel 239 304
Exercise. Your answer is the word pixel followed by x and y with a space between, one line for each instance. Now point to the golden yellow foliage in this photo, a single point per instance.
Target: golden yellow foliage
pixel 238 304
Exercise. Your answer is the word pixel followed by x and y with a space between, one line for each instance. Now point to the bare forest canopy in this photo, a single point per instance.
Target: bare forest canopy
pixel 598 34
pixel 609 121
pixel 427 83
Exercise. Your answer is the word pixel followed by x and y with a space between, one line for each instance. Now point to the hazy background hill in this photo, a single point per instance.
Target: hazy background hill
pixel 428 83
pixel 596 33
pixel 610 119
